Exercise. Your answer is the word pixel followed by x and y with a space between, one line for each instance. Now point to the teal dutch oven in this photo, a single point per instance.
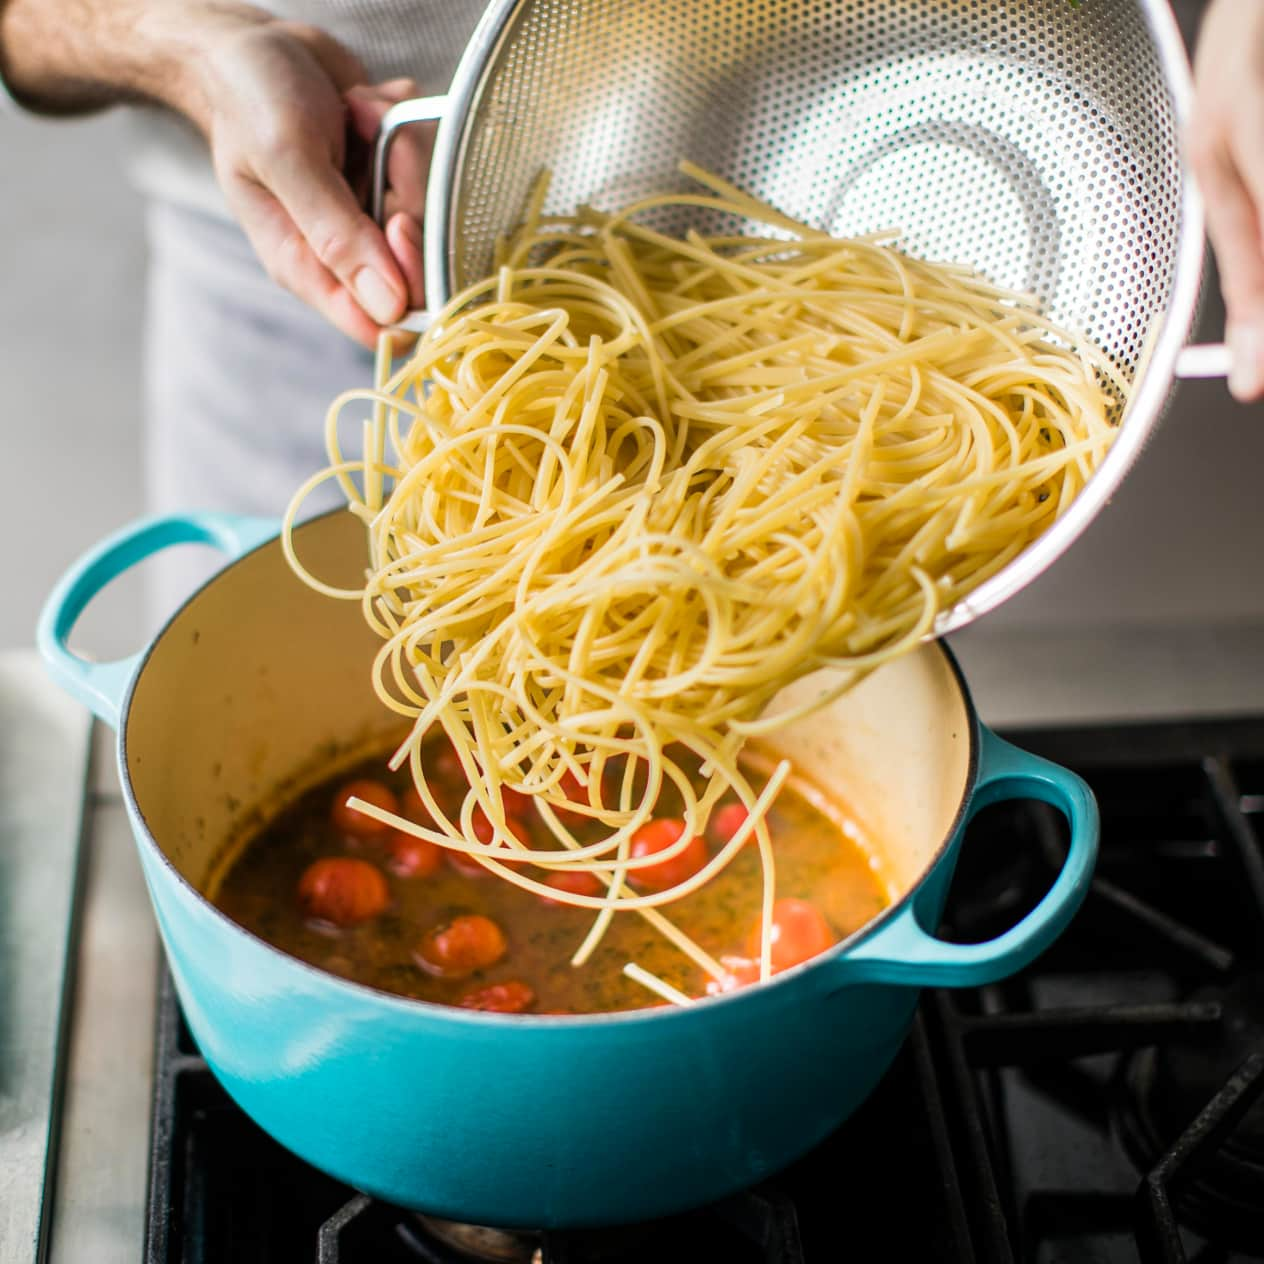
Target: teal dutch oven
pixel 540 1121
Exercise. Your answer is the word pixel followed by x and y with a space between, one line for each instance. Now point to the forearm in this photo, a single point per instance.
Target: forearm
pixel 72 56
pixel 272 98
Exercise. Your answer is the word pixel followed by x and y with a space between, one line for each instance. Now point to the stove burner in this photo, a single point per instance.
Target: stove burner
pixel 481 1242
pixel 1188 1076
pixel 1172 1099
pixel 523 1246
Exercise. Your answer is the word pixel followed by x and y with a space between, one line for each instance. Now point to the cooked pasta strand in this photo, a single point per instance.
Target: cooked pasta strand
pixel 637 485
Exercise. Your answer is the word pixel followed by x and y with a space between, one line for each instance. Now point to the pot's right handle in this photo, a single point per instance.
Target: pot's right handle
pixel 1206 360
pixel 414 110
pixel 902 951
pixel 102 686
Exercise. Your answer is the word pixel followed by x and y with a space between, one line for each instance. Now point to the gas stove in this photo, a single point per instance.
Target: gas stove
pixel 1105 1105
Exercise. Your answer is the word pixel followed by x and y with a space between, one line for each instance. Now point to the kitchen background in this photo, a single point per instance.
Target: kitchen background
pixel 1158 609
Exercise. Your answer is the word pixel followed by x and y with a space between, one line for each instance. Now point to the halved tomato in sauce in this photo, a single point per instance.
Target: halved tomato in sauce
pixel 358 825
pixel 343 890
pixel 471 866
pixel 500 998
pixel 738 972
pixel 459 947
pixel 658 835
pixel 576 882
pixel 726 821
pixel 413 857
pixel 799 931
pixel 569 787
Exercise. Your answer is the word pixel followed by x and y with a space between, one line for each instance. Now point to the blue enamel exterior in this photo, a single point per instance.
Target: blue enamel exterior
pixel 102 686
pixel 557 1121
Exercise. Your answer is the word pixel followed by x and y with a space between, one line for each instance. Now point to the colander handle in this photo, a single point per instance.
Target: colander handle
pixel 414 110
pixel 1207 360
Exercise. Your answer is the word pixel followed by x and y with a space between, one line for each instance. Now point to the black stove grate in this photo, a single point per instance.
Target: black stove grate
pixel 1106 1105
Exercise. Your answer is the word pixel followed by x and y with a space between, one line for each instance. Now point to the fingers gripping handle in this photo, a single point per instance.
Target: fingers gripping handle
pixel 102 686
pixel 414 110
pixel 902 951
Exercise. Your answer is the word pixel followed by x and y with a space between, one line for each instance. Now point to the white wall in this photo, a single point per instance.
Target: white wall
pixel 71 288
pixel 1182 542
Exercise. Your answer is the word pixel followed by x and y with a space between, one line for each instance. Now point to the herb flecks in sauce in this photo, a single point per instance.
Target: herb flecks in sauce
pixel 816 861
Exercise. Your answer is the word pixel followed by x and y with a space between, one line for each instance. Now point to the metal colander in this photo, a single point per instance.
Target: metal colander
pixel 1036 140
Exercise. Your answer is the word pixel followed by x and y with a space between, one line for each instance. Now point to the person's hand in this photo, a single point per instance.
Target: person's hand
pixel 274 100
pixel 1226 151
pixel 407 169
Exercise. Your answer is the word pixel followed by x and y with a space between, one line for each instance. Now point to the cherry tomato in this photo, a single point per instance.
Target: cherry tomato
pixel 656 836
pixel 413 857
pixel 343 890
pixel 726 821
pixel 485 834
pixel 459 947
pixel 471 866
pixel 500 998
pixel 738 972
pixel 577 882
pixel 799 931
pixel 515 802
pixel 570 788
pixel 357 824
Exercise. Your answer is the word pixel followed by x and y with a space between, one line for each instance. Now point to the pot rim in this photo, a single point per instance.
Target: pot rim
pixel 656 1013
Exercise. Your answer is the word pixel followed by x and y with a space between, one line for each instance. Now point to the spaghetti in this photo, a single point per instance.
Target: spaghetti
pixel 630 486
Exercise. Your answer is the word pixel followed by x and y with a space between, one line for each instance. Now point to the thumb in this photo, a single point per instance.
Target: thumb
pixel 339 233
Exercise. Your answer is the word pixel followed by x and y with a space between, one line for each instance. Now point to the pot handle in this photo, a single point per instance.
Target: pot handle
pixel 902 951
pixel 102 686
pixel 414 110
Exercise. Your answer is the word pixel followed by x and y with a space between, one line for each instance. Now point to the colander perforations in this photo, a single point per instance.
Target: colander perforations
pixel 1036 141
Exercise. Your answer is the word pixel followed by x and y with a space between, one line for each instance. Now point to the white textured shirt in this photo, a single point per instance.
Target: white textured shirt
pixel 422 39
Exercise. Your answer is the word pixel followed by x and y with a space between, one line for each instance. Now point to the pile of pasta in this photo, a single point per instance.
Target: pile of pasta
pixel 630 486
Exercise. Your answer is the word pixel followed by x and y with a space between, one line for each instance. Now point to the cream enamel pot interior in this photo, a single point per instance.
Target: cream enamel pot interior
pixel 517 1119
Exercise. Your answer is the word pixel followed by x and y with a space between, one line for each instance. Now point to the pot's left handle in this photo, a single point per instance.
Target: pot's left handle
pixel 102 686
pixel 903 951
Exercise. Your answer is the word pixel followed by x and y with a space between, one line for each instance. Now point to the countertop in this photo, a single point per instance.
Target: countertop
pixel 93 1208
